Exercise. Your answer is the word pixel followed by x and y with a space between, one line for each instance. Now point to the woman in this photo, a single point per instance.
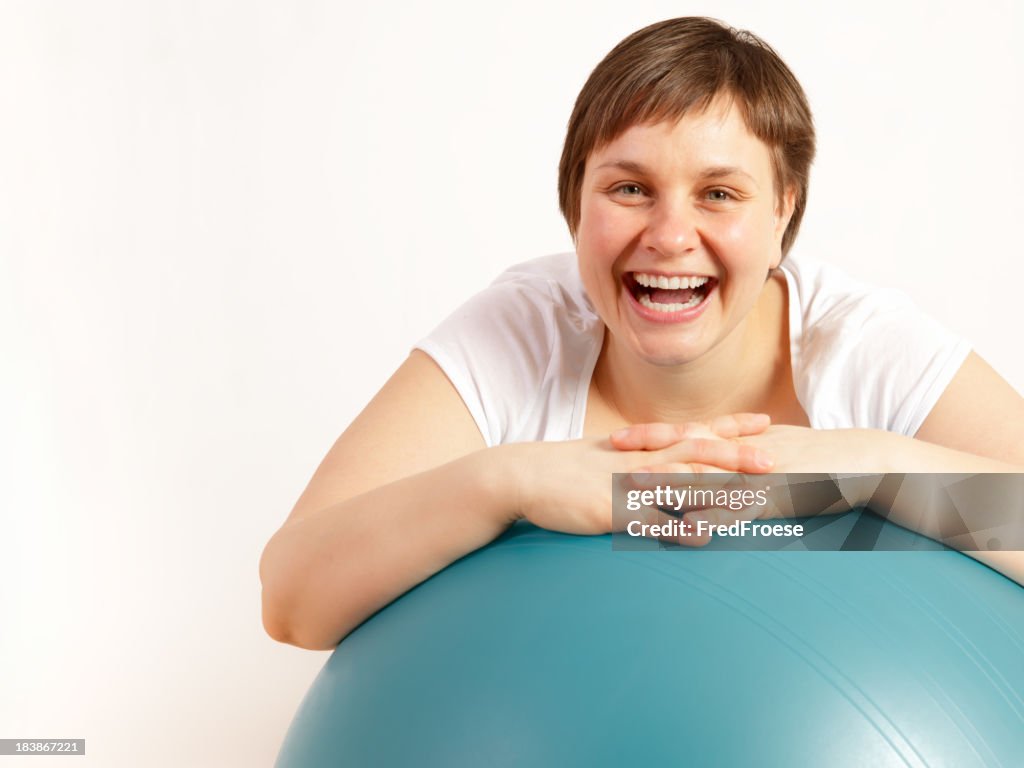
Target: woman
pixel 677 329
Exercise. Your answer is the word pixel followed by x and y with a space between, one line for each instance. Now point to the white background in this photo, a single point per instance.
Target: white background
pixel 223 224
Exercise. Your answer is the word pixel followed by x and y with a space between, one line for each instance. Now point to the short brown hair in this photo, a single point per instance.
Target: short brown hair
pixel 667 69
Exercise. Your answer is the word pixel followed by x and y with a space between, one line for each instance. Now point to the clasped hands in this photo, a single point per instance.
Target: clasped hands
pixel 747 443
pixel 564 486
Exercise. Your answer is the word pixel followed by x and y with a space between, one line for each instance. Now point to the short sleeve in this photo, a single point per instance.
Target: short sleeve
pixel 864 356
pixel 517 352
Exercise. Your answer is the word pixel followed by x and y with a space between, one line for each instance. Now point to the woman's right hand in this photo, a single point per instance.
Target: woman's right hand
pixel 566 486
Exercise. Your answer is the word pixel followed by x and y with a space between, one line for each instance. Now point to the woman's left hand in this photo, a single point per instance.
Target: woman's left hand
pixel 793 449
pixel 656 436
pixel 862 455
pixel 828 451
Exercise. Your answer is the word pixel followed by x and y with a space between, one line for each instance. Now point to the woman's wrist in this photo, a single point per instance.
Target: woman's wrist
pixel 499 474
pixel 870 454
pixel 900 453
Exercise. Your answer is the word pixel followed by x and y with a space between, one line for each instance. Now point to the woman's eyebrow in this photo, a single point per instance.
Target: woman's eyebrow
pixel 625 165
pixel 706 174
pixel 719 171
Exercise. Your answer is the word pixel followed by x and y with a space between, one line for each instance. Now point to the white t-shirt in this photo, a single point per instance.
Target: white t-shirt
pixel 521 353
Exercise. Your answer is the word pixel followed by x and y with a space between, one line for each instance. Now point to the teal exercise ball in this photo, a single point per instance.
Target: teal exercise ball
pixel 545 649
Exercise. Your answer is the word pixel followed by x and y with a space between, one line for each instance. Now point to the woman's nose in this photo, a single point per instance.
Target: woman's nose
pixel 671 229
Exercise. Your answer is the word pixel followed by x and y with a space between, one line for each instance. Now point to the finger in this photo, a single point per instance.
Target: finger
pixel 702 524
pixel 697 530
pixel 677 468
pixel 723 454
pixel 651 437
pixel 740 424
pixel 688 485
pixel 704 469
pixel 668 528
pixel 662 475
pixel 652 497
pixel 723 516
pixel 657 435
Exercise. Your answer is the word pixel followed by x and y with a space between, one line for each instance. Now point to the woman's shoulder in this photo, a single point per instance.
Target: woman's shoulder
pixel 516 349
pixel 864 355
pixel 825 292
pixel 552 282
pixel 828 305
pixel 538 306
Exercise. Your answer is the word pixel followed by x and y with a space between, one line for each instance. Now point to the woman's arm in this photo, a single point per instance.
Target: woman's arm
pixel 978 414
pixel 409 488
pixel 328 570
pixel 977 426
pixel 385 509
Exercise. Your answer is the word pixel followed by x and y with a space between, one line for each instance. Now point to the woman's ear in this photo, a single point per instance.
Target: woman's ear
pixel 780 221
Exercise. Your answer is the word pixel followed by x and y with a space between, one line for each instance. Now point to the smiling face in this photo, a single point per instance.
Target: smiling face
pixel 679 225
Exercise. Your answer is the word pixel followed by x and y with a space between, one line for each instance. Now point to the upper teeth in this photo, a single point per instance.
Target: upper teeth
pixel 671 283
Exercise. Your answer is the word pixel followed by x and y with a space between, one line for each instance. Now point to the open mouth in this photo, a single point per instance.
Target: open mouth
pixel 669 294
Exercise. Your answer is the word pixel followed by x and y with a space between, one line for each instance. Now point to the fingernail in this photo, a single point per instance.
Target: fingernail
pixel 619 434
pixel 640 478
pixel 763 460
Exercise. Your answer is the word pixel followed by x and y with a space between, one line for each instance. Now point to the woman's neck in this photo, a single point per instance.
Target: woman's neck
pixel 749 370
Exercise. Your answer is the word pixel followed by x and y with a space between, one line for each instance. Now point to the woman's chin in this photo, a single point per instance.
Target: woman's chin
pixel 668 357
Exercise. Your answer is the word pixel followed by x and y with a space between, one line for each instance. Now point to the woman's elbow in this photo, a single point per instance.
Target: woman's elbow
pixel 276 596
pixel 291 634
pixel 281 625
pixel 276 621
pixel 282 619
pixel 273 624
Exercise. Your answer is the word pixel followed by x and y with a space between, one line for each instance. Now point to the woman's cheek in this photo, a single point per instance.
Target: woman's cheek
pixel 742 239
pixel 737 229
pixel 605 228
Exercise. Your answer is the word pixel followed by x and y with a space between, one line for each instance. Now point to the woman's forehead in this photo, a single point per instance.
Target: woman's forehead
pixel 717 136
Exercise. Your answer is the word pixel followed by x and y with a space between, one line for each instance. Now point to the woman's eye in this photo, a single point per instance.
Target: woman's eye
pixel 719 195
pixel 629 190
